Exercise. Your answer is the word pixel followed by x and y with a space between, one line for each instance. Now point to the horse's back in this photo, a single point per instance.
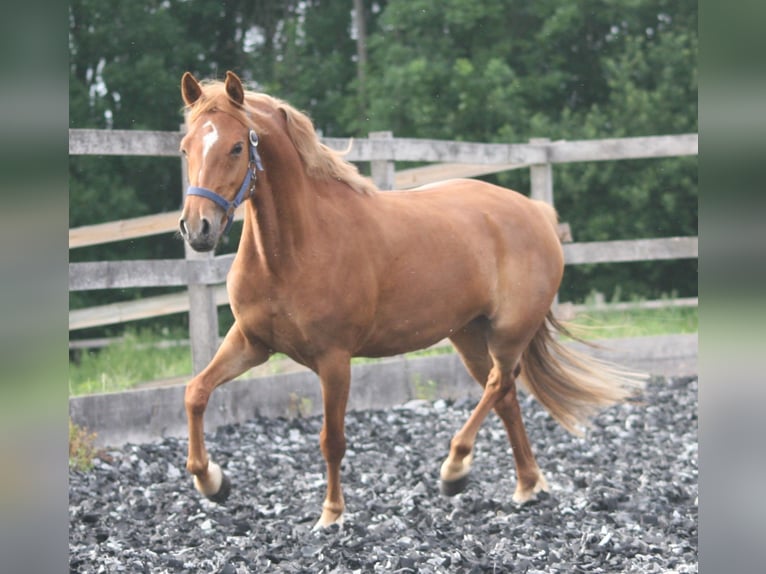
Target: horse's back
pixel 479 205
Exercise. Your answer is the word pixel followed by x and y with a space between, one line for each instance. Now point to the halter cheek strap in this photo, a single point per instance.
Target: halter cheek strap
pixel 245 190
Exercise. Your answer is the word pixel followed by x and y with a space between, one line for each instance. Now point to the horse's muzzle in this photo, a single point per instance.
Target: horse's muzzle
pixel 201 235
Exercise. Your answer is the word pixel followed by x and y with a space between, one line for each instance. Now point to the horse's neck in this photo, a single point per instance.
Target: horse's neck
pixel 278 219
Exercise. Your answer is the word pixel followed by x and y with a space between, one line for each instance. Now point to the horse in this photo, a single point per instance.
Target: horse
pixel 328 268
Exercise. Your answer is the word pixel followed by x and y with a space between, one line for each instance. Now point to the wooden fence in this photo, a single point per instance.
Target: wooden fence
pixel 203 274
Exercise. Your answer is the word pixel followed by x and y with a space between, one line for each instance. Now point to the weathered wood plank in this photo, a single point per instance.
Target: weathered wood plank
pixel 412 149
pixel 123 229
pixel 159 143
pixel 631 305
pixel 124 142
pixel 147 273
pixel 541 177
pixel 130 228
pixel 622 148
pixel 568 311
pixel 382 172
pixel 203 314
pixel 140 309
pixel 630 250
pixel 123 274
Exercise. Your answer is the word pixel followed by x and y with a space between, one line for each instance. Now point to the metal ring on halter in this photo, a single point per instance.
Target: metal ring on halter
pixel 255 157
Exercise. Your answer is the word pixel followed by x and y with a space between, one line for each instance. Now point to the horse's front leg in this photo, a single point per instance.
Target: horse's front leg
pixel 235 355
pixel 335 375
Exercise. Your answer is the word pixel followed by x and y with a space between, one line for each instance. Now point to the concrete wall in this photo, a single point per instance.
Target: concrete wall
pixel 150 414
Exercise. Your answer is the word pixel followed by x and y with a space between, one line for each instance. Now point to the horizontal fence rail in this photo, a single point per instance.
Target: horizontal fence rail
pixel 126 229
pixel 150 143
pixel 449 159
pixel 175 272
pixel 146 308
pixel 124 142
pixel 631 250
pixel 147 273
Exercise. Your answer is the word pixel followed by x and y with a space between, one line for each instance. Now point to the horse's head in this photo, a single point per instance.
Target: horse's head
pixel 222 159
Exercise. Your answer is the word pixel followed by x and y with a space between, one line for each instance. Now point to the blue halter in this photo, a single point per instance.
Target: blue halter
pixel 245 190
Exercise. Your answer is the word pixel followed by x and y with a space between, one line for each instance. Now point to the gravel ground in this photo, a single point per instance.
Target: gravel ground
pixel 623 498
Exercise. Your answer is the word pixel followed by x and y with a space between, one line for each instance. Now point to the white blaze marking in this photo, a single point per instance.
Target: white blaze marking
pixel 208 140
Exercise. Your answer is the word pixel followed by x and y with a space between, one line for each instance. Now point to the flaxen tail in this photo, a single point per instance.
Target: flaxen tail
pixel 573 386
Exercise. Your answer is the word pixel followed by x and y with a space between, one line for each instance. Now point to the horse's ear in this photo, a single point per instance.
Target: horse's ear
pixel 283 111
pixel 191 91
pixel 234 88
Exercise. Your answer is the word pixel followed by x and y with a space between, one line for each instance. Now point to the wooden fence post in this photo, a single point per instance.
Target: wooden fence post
pixel 541 177
pixel 383 171
pixel 541 184
pixel 203 313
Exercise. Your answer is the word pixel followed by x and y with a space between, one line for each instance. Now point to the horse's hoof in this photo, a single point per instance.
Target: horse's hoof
pixel 530 495
pixel 223 492
pixel 327 520
pixel 453 487
pixel 454 475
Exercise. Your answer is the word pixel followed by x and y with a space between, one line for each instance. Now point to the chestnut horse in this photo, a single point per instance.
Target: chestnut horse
pixel 329 268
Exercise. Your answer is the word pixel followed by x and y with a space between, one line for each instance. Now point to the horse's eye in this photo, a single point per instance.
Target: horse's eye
pixel 183 152
pixel 237 149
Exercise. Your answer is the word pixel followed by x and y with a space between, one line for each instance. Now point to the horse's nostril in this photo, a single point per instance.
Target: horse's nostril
pixel 205 226
pixel 182 226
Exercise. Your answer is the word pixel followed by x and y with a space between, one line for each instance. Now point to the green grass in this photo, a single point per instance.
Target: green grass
pixel 594 324
pixel 124 364
pixel 134 360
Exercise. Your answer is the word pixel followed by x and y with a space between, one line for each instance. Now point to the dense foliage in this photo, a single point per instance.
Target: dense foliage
pixel 494 71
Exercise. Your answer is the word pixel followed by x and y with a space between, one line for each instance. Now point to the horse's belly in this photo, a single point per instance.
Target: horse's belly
pixel 401 328
pixel 399 341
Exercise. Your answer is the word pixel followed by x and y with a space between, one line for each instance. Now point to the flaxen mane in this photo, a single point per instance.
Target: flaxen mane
pixel 320 161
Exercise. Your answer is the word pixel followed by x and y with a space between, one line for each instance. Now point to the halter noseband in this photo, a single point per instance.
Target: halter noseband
pixel 245 190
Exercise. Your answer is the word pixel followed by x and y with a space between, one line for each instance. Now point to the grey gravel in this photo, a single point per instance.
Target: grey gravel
pixel 623 498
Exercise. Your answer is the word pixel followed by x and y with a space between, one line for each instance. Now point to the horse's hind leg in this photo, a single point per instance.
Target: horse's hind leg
pixel 529 479
pixel 233 358
pixel 471 344
pixel 455 469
